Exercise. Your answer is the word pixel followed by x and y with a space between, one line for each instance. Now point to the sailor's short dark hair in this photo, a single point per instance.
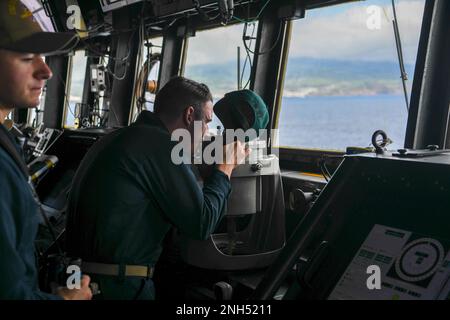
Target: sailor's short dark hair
pixel 180 93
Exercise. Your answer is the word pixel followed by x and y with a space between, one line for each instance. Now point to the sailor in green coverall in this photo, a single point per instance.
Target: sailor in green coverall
pixel 128 192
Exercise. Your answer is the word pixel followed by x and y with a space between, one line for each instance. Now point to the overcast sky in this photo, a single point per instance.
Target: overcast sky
pixel 338 32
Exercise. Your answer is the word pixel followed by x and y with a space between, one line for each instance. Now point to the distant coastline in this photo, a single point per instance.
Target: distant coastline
pixel 314 77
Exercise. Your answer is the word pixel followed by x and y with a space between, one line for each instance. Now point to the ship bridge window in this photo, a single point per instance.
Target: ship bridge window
pixel 40 15
pixel 343 81
pixel 147 78
pixel 36 115
pixel 74 89
pixel 212 59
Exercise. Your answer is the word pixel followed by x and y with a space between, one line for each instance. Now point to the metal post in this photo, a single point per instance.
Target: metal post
pixel 430 99
pixel 55 97
pixel 127 47
pixel 239 84
pixel 172 55
pixel 267 61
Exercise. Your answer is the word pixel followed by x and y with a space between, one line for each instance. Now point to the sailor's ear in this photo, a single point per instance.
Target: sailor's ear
pixel 188 116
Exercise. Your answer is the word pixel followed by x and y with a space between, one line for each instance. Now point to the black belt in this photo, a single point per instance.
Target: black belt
pixel 115 269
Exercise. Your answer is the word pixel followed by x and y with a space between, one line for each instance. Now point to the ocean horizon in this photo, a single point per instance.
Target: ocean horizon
pixel 334 122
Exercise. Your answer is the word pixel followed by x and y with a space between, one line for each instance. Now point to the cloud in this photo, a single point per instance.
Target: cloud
pixel 338 32
pixel 218 45
pixel 345 35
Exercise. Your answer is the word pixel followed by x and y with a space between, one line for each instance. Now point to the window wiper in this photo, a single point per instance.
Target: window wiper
pixel 398 45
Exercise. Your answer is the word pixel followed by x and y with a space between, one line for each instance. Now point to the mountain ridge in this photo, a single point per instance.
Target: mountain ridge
pixel 314 77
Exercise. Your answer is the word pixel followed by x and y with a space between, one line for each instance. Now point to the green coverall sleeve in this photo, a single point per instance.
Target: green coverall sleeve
pixel 193 210
pixel 18 274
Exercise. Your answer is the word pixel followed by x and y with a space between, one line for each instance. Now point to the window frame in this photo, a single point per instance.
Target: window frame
pixel 134 112
pixel 68 89
pixel 298 158
pixel 295 158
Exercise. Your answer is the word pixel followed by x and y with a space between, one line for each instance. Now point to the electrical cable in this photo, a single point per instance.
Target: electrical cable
pixel 107 79
pixel 94 28
pixel 65 95
pixel 257 16
pixel 203 14
pixel 270 49
pixel 248 57
pixel 63 50
pixel 141 35
pixel 326 174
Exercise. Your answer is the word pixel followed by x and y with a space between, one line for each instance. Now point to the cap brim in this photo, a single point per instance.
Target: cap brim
pixel 45 43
